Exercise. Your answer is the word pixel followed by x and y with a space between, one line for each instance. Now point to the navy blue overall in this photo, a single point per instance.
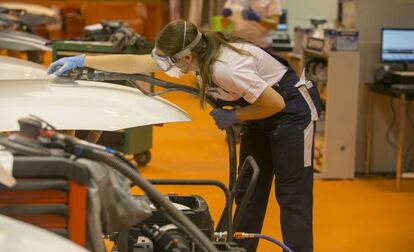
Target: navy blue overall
pixel 278 144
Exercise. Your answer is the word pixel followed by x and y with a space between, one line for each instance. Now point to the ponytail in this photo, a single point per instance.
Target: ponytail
pixel 207 53
pixel 171 40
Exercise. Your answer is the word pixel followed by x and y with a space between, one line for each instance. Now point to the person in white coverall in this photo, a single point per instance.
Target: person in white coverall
pixel 253 20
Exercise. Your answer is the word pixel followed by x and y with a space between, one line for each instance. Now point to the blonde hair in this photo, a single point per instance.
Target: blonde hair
pixel 171 40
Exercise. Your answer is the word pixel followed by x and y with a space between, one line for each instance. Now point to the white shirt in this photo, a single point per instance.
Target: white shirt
pixel 247 76
pixel 251 30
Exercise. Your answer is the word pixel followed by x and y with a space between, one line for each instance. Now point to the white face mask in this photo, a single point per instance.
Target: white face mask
pixel 164 62
pixel 174 72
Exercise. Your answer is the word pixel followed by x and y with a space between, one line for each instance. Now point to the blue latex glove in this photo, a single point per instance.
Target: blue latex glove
pixel 249 14
pixel 227 12
pixel 65 64
pixel 224 118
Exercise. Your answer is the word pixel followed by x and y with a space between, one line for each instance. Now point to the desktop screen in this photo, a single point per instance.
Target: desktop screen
pixel 282 26
pixel 397 45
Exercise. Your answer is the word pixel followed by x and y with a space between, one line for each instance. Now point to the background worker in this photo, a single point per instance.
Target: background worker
pixel 252 20
pixel 278 111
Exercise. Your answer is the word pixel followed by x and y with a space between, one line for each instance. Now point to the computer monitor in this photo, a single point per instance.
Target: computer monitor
pixel 282 26
pixel 397 45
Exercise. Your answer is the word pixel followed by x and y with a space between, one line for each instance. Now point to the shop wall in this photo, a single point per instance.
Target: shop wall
pixel 144 16
pixel 371 16
pixel 299 11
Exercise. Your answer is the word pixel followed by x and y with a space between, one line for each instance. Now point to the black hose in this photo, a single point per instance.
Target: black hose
pixel 231 139
pixel 156 197
pixel 241 208
pixel 210 100
pixel 103 76
pixel 266 237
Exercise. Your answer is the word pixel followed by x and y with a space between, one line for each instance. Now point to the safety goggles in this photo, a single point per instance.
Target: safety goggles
pixel 167 62
pixel 164 62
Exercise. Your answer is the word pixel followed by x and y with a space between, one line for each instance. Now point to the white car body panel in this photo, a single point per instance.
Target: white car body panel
pixel 18 236
pixel 17 69
pixel 84 106
pixel 26 89
pixel 23 41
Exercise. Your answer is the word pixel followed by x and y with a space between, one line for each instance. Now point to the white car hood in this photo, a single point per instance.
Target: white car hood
pixel 26 89
pixel 84 106
pixel 17 69
pixel 18 236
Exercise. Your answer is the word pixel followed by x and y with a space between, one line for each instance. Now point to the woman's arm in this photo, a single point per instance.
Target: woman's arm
pixel 268 103
pixel 128 64
pixel 270 23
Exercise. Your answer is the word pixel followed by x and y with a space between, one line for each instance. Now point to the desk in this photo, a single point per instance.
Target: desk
pixel 403 96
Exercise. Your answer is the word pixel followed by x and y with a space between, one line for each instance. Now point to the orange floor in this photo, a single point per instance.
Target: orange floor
pixel 359 215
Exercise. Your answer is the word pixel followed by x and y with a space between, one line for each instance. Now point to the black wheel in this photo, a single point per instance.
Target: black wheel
pixel 142 158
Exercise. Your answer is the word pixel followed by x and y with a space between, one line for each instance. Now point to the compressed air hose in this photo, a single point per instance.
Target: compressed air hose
pixel 241 235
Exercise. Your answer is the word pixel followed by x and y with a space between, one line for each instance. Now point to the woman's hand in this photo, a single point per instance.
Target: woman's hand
pixel 268 103
pixel 227 12
pixel 269 23
pixel 63 65
pixel 250 15
pixel 224 118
